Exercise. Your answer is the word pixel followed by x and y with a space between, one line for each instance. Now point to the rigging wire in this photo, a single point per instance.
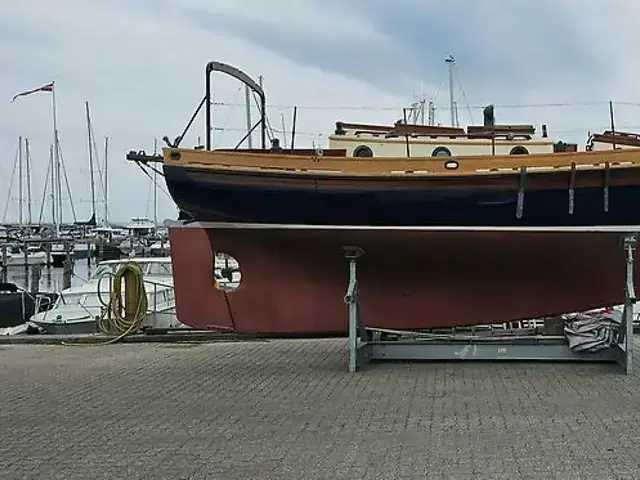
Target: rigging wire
pixel 44 193
pixel 13 173
pixel 143 168
pixel 66 181
pixel 437 107
pixel 235 97
pixel 464 95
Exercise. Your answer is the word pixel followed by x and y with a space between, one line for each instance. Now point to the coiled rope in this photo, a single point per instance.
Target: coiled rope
pixel 122 318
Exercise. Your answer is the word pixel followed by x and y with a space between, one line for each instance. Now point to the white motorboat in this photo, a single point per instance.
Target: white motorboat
pixel 60 252
pixel 76 251
pixel 160 248
pixel 83 249
pixel 133 246
pixel 79 309
pixel 18 256
pixel 138 238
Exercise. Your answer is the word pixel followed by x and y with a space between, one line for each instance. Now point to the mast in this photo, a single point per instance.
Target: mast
pixel 13 174
pixel 284 130
pixel 90 145
pixel 56 161
pixel 54 218
pixel 155 190
pixel 106 180
pixel 27 153
pixel 20 181
pixel 450 61
pixel 44 193
pixel 247 101
pixel 263 114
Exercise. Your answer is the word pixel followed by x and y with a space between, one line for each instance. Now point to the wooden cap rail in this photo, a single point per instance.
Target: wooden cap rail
pixel 448 166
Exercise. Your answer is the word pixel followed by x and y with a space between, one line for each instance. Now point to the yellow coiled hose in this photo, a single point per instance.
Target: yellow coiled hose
pixel 118 318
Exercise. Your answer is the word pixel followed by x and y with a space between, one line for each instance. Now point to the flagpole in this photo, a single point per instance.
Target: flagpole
pixel 53 108
pixel 56 159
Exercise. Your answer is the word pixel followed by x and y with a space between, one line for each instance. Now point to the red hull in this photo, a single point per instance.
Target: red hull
pixel 294 281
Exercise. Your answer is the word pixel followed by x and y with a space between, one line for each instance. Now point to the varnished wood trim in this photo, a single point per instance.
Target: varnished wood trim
pixel 401 166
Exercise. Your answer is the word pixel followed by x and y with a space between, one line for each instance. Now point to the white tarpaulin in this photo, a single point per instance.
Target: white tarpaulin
pixel 592 331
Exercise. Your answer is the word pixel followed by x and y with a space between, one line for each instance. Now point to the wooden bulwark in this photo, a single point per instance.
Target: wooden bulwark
pixel 414 166
pixel 618 138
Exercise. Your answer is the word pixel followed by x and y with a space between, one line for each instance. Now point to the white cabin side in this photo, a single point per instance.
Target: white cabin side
pixel 427 146
pixel 406 140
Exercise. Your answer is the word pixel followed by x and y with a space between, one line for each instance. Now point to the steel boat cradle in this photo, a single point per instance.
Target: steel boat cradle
pixel 294 275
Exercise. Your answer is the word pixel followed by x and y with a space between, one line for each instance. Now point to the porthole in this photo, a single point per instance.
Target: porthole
pixel 519 151
pixel 441 152
pixel 363 151
pixel 451 164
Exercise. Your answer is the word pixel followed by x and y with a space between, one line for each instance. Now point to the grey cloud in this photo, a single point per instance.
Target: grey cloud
pixel 379 65
pixel 501 47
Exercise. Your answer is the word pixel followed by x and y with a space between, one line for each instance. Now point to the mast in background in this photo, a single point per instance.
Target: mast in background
pixel 106 181
pixel 56 177
pixel 52 164
pixel 90 145
pixel 20 160
pixel 450 61
pixel 27 154
pixel 247 101
pixel 155 190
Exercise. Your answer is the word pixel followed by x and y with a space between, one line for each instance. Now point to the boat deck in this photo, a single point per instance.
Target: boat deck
pixel 289 409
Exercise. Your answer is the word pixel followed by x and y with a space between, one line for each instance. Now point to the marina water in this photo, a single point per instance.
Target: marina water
pixel 51 278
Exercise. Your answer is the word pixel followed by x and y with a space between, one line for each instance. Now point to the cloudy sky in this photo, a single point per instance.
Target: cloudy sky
pixel 140 65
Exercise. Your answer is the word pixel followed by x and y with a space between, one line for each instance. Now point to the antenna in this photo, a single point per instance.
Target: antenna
pixel 451 62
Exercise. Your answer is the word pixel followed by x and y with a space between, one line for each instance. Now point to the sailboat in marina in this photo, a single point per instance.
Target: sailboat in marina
pixel 21 164
pixel 19 254
pixel 64 247
pixel 104 238
pixel 81 247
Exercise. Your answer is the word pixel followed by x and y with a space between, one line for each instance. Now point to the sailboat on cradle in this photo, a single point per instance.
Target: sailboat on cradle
pixel 508 216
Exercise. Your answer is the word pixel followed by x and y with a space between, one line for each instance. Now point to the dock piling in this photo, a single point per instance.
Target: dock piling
pixel 3 263
pixel 34 281
pixel 67 273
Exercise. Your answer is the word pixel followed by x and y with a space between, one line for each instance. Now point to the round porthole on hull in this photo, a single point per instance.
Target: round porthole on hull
pixel 451 164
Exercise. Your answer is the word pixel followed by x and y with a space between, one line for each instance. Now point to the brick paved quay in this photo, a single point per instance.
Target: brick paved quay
pixel 288 409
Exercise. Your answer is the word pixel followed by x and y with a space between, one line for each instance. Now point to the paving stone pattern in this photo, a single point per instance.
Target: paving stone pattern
pixel 288 409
